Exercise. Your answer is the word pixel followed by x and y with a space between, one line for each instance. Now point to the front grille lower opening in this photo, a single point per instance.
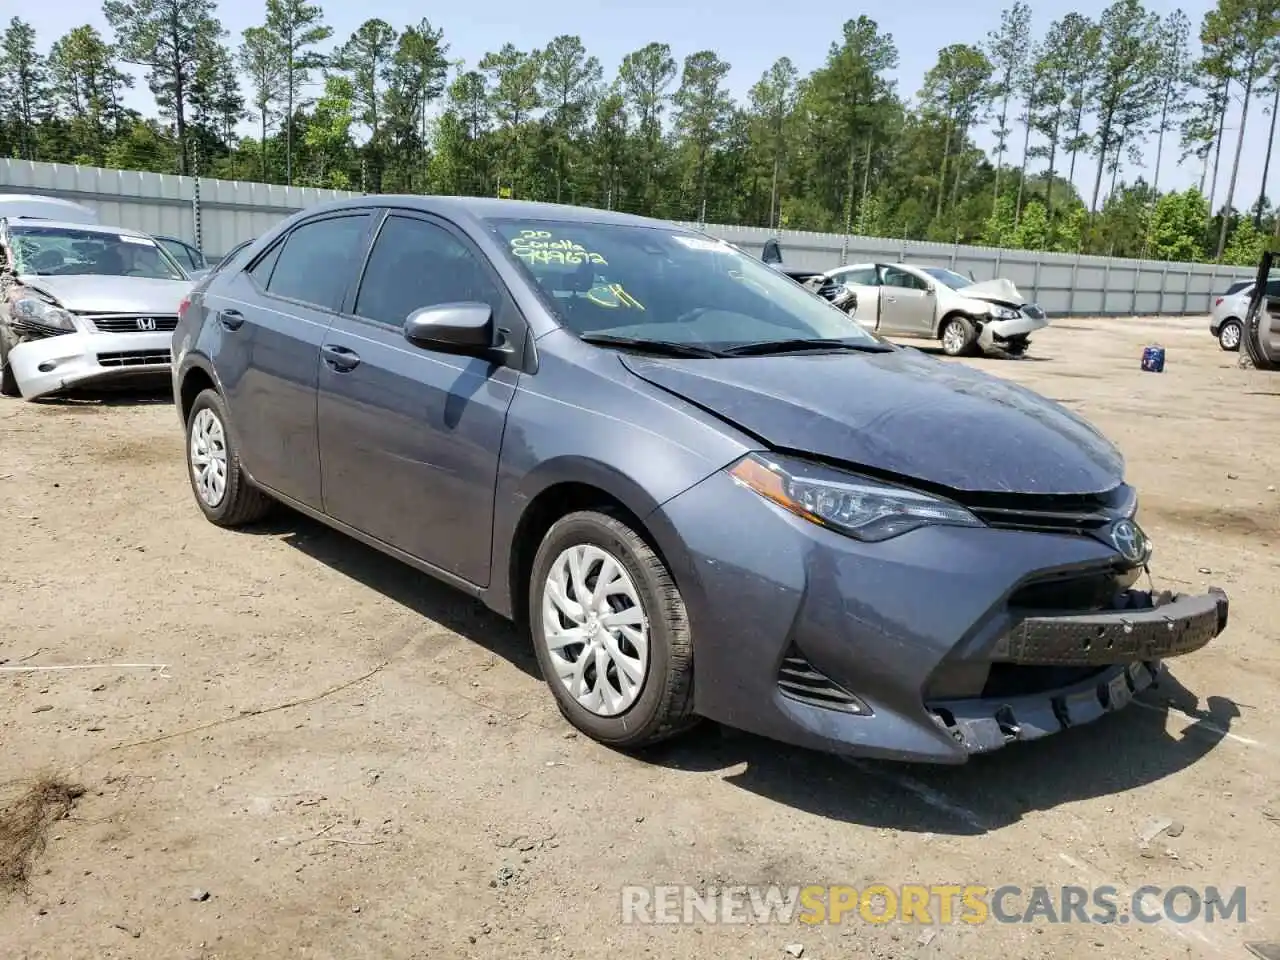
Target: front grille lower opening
pixel 1016 680
pixel 799 680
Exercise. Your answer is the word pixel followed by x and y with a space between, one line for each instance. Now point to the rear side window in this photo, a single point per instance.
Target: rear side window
pixel 417 264
pixel 315 263
pixel 1237 287
pixel 1273 288
pixel 863 276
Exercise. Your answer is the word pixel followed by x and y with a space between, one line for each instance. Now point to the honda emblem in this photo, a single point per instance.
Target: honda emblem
pixel 146 323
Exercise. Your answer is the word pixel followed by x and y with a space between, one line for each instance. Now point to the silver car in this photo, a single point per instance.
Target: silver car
pixel 82 304
pixel 1226 316
pixel 905 300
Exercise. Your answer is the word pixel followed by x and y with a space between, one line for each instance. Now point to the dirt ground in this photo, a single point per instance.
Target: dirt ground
pixel 352 761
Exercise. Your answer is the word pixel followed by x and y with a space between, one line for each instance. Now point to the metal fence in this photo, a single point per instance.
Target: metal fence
pixel 217 214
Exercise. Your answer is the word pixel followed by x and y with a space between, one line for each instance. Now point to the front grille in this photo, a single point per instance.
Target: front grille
pixel 799 680
pixel 1085 514
pixel 33 330
pixel 130 322
pixel 134 358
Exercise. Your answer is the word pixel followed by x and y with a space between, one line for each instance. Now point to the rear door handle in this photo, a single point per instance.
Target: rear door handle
pixel 341 359
pixel 231 319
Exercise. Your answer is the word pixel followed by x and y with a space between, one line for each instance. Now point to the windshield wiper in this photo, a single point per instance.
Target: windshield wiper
pixel 666 348
pixel 795 346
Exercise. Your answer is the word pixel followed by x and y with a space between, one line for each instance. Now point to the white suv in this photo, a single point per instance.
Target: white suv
pixel 1226 316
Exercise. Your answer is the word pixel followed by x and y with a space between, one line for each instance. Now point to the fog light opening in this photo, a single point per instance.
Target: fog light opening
pixel 47 366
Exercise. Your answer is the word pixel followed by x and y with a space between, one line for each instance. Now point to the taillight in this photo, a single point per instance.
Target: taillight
pixel 182 307
pixel 1218 302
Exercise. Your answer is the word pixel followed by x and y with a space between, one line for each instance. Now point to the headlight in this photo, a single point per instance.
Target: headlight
pixel 1004 313
pixel 31 310
pixel 856 506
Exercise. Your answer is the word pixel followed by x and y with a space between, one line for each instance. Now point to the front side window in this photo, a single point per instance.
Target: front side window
pixel 949 277
pixel 861 276
pixel 318 260
pixel 416 264
pixel 897 277
pixel 180 251
pixel 665 284
pixel 66 251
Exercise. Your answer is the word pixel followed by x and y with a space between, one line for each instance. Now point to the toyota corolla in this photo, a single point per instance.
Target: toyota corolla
pixel 704 491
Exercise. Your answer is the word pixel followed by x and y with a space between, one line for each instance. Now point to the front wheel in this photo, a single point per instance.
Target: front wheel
pixel 611 632
pixel 1229 336
pixel 223 492
pixel 958 336
pixel 8 382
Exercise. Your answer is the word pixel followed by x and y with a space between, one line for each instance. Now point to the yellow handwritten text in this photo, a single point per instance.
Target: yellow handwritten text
pixel 539 246
pixel 612 296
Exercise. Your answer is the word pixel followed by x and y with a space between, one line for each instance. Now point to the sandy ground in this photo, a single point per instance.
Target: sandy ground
pixel 352 761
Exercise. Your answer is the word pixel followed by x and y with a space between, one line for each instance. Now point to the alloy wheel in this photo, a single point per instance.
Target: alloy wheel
pixel 1229 336
pixel 207 452
pixel 595 629
pixel 953 337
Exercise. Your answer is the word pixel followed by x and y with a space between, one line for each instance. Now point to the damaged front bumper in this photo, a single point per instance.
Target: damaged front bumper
pixel 51 364
pixel 1125 645
pixel 994 335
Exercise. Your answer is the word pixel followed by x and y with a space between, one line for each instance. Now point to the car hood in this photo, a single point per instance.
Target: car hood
pixel 998 290
pixel 900 413
pixel 96 294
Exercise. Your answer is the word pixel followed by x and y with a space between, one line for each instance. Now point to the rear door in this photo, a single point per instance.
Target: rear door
pixel 410 437
pixel 271 320
pixel 906 305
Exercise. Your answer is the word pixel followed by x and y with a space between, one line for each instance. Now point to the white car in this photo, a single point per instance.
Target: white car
pixel 1226 316
pixel 83 304
pixel 905 300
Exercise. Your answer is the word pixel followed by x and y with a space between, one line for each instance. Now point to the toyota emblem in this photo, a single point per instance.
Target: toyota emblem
pixel 1129 541
pixel 146 323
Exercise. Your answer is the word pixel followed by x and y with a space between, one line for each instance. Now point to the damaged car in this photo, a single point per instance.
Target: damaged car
pixel 934 303
pixel 83 304
pixel 701 490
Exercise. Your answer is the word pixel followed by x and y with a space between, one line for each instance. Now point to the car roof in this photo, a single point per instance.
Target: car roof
pixel 492 208
pixel 38 207
pixel 72 225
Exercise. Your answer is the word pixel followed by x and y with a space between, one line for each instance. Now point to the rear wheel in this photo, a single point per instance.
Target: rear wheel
pixel 1229 336
pixel 611 632
pixel 958 336
pixel 223 492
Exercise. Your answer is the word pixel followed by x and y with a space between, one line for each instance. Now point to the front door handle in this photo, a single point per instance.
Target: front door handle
pixel 891 299
pixel 231 319
pixel 341 359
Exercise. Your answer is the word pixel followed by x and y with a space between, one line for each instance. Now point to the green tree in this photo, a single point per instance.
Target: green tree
pixel 296 27
pixel 956 88
pixel 514 96
pixel 703 111
pixel 415 80
pixel 1245 248
pixel 170 39
pixel 570 87
pixel 1008 49
pixel 262 60
pixel 24 82
pixel 772 102
pixel 645 78
pixel 1177 224
pixel 1173 75
pixel 1126 87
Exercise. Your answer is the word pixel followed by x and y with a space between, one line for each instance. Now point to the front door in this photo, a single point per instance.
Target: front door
pixel 906 304
pixel 409 437
pixel 865 282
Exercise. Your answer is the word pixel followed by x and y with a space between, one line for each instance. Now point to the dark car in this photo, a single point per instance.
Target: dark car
pixel 704 491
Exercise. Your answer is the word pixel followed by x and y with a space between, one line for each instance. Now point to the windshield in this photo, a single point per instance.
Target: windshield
pixel 949 277
pixel 65 251
pixel 667 285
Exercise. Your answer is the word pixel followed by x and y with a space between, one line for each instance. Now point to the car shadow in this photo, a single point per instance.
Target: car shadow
pixel 937 351
pixel 135 395
pixel 1118 753
pixel 397 581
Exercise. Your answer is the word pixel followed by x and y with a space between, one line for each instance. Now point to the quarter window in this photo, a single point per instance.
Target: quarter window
pixel 316 259
pixel 417 264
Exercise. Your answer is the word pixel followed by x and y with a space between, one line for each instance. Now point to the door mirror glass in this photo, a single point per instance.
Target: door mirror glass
pixel 452 327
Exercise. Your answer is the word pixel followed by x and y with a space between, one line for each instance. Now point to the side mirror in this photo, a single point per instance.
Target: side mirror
pixel 930 289
pixel 452 328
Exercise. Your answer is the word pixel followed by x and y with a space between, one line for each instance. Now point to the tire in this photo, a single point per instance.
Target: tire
pixel 239 501
pixel 659 704
pixel 958 336
pixel 1229 336
pixel 8 382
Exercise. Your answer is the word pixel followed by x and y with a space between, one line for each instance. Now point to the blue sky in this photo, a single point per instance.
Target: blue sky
pixel 749 34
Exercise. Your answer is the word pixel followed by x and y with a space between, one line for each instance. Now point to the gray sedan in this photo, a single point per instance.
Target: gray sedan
pixel 702 490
